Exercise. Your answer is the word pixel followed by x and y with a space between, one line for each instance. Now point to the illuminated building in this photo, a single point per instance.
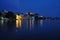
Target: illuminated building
pixel 7 16
pixel 30 15
pixel 18 20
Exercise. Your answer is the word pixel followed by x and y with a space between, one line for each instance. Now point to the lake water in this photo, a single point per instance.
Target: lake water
pixel 30 30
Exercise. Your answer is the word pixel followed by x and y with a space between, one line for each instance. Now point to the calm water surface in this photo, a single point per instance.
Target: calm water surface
pixel 30 30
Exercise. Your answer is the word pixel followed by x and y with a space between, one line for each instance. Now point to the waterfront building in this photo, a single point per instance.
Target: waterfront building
pixel 30 15
pixel 41 17
pixel 36 16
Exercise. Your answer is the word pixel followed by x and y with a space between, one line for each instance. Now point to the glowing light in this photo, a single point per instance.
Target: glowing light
pixel 16 16
pixel 18 21
pixel 29 12
pixel 20 16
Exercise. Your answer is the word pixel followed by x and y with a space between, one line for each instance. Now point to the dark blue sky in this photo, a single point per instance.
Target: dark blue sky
pixel 43 7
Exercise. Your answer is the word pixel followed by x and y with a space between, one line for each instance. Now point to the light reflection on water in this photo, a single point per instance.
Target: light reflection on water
pixel 27 25
pixel 41 22
pixel 30 29
pixel 18 23
pixel 21 24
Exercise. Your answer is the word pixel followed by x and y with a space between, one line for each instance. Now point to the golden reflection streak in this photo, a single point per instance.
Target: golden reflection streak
pixel 18 21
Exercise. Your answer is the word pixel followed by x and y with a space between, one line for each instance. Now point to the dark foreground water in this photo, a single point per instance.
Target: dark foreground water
pixel 30 30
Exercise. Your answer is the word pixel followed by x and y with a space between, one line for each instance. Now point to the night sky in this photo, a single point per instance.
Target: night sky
pixel 43 7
